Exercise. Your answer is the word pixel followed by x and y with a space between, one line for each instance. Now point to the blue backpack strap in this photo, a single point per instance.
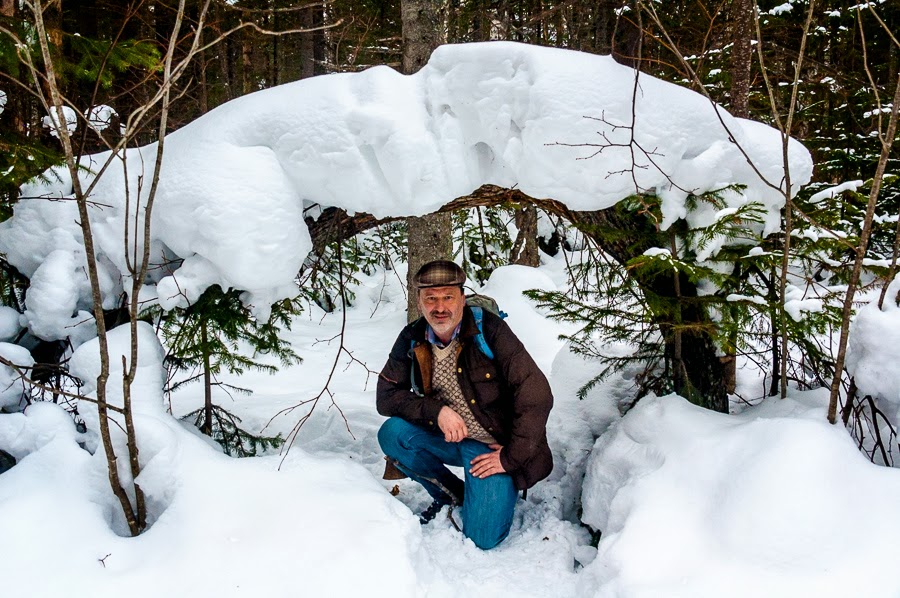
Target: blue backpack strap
pixel 480 340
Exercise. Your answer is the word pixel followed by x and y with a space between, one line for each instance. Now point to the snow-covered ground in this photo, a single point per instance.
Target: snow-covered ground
pixel 773 501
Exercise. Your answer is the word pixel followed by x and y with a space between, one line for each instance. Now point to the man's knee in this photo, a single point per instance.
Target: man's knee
pixel 487 538
pixel 395 436
pixel 388 436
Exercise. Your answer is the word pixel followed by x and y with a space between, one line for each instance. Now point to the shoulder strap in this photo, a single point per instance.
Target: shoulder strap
pixel 412 370
pixel 478 312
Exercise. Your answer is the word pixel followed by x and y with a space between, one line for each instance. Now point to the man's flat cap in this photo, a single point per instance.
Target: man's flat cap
pixel 439 273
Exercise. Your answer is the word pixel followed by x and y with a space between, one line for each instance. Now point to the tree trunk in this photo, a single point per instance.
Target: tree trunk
pixel 741 56
pixel 206 428
pixel 525 248
pixel 689 345
pixel 424 24
pixel 312 43
pixel 246 62
pixel 430 237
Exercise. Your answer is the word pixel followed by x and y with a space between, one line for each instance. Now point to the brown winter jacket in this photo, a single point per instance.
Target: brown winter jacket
pixel 508 395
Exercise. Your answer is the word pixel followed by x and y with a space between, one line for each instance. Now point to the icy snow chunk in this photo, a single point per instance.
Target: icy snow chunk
pixel 42 422
pixel 2 101
pixel 735 297
pixel 716 505
pixel 796 302
pixel 12 386
pixel 100 117
pixel 539 335
pixel 781 8
pixel 52 300
pixel 149 378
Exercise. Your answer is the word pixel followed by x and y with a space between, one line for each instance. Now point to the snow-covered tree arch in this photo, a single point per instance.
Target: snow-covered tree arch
pixel 234 184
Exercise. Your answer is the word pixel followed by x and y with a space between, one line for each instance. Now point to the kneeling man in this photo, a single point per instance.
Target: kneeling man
pixel 450 403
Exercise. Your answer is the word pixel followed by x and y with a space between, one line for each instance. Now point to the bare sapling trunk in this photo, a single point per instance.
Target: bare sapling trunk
pixel 136 253
pixel 785 128
pixel 887 143
pixel 55 106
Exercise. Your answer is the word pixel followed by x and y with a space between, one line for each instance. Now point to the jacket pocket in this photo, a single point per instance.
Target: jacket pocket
pixel 486 384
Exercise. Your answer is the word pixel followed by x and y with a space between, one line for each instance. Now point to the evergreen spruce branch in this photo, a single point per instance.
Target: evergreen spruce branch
pixel 731 227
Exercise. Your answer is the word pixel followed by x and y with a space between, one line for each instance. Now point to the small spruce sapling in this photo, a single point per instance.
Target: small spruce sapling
pixel 212 336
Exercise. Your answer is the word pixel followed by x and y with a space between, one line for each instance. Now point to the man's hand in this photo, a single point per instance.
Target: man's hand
pixel 452 425
pixel 487 464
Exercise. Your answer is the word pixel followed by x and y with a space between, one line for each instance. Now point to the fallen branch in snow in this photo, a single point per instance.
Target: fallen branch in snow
pixel 21 373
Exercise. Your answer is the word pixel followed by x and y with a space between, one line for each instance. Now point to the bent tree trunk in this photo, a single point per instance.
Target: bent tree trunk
pixel 697 370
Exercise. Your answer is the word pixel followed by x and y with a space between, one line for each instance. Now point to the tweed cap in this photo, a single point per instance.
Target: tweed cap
pixel 439 273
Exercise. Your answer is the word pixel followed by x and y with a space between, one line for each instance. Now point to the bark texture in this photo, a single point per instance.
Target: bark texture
pixel 741 56
pixel 424 29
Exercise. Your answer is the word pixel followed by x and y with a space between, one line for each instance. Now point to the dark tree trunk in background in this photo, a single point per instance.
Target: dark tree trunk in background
pixel 741 56
pixel 246 63
pixel 312 43
pixel 430 238
pixel 206 426
pixel 525 248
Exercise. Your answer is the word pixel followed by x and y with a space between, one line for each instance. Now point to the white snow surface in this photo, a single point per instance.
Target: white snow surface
pixel 234 183
pixel 51 121
pixel 691 503
pixel 10 323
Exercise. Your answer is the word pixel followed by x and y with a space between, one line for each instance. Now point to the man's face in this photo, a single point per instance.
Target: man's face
pixel 442 308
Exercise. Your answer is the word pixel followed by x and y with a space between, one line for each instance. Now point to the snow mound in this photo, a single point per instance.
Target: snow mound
pixel 10 324
pixel 234 183
pixel 696 503
pixel 874 350
pixel 263 526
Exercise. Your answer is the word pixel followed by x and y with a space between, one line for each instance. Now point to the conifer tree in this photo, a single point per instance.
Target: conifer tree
pixel 213 336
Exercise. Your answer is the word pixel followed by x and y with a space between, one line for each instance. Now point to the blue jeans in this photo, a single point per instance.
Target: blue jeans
pixel 489 503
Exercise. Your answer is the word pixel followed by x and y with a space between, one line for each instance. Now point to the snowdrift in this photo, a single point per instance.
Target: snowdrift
pixel 773 502
pixel 234 184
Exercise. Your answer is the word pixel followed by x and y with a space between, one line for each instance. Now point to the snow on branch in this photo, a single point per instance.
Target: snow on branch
pixel 235 182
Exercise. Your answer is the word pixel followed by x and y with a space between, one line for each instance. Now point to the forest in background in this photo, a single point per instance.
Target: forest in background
pixel 824 72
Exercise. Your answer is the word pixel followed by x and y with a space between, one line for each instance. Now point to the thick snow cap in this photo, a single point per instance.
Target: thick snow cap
pixel 554 123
